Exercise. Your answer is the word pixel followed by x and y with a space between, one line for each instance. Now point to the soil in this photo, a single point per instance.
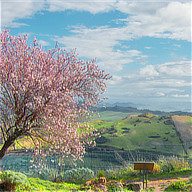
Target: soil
pixel 161 185
pixel 157 185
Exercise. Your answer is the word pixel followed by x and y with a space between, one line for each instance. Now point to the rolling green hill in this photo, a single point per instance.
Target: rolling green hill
pixel 183 126
pixel 116 113
pixel 144 131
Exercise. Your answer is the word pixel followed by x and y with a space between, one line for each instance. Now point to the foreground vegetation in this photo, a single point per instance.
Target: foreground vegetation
pixel 124 133
pixel 77 179
pixel 180 186
pixel 19 182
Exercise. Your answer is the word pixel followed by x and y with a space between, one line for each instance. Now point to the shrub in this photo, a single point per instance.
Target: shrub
pixel 173 164
pixel 101 173
pixel 156 168
pixel 46 174
pixel 177 186
pixel 128 172
pixel 14 181
pixel 77 175
pixel 190 179
pixel 115 186
pixel 122 173
pixel 111 174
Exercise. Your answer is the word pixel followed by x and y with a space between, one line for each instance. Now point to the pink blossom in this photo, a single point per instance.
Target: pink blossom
pixel 46 96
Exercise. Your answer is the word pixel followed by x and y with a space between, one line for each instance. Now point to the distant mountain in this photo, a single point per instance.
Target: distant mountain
pixel 139 111
pixel 129 104
pixel 157 106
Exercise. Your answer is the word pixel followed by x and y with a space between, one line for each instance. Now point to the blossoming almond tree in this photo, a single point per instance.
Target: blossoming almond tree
pixel 45 96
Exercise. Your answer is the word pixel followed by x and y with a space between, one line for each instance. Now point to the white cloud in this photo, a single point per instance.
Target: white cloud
pixel 179 69
pixel 133 7
pixel 43 43
pixel 149 71
pixel 177 45
pixel 100 43
pixel 161 20
pixel 170 69
pixel 12 10
pixel 148 47
pixel 93 6
pixel 184 96
pixel 169 83
pixel 162 81
pixel 160 94
pixel 115 80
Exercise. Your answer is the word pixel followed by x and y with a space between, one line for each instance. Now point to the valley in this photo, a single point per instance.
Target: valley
pixel 121 130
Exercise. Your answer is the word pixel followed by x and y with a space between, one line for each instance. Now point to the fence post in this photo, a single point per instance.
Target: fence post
pixel 91 160
pixel 144 177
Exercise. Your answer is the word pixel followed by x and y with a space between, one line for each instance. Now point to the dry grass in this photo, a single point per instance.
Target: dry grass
pixel 183 125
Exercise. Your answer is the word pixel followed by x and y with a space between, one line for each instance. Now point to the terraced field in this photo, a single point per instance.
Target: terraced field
pixel 136 137
pixel 183 125
pixel 145 131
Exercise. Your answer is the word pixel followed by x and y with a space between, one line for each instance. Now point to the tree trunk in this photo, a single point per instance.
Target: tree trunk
pixel 9 142
pixel 6 145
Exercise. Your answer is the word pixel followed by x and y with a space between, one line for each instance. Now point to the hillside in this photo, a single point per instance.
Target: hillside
pixel 119 112
pixel 144 131
pixel 183 126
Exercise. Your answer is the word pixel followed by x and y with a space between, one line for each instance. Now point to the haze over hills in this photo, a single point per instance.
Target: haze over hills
pixel 134 110
pixel 158 106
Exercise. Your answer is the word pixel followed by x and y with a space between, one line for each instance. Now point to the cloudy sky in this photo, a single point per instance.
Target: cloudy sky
pixel 144 45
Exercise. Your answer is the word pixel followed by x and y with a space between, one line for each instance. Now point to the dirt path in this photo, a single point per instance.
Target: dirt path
pixel 161 185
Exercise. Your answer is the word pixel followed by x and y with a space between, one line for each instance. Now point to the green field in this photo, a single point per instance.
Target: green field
pixel 183 125
pixel 132 137
pixel 110 116
pixel 145 131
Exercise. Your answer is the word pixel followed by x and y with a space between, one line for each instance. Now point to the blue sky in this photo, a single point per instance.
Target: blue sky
pixel 144 45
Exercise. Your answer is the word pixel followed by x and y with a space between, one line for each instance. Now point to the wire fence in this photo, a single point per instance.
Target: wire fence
pixel 95 160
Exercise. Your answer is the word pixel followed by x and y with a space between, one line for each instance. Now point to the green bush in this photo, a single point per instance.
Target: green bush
pixel 77 175
pixel 111 174
pixel 173 164
pixel 14 181
pixel 128 172
pixel 122 173
pixel 46 174
pixel 177 186
pixel 190 179
pixel 101 173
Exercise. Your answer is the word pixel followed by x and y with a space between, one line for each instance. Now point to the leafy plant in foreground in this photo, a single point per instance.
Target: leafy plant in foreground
pixel 46 174
pixel 173 164
pixel 42 185
pixel 14 180
pixel 121 173
pixel 178 186
pixel 77 175
pixel 101 173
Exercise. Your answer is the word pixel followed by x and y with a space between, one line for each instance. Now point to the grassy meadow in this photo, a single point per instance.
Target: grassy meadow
pixel 183 126
pixel 145 131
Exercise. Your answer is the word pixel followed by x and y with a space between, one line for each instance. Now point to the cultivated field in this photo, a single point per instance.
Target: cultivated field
pixel 183 126
pixel 144 131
